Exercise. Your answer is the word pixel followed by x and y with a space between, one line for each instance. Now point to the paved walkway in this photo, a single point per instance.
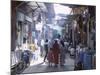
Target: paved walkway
pixel 40 67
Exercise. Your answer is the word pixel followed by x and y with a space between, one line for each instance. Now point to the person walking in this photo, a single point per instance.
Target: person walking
pixel 56 51
pixel 62 53
pixel 50 57
pixel 46 49
pixel 42 47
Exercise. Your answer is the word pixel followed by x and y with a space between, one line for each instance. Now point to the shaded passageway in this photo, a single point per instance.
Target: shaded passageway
pixel 51 37
pixel 43 67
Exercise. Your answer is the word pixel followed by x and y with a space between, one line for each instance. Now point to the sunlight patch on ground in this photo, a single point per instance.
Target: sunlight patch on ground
pixel 37 61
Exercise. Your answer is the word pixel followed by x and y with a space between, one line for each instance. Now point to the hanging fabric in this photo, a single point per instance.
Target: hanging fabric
pixel 39 17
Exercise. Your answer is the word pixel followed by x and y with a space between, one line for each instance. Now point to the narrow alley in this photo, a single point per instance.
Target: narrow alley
pixel 52 37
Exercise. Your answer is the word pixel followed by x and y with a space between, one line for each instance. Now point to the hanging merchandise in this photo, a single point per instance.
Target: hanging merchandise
pixel 19 27
pixel 80 21
pixel 20 16
pixel 85 19
pixel 39 17
pixel 85 28
pixel 91 11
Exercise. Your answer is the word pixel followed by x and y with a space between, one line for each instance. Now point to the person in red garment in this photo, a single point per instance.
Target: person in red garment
pixel 50 57
pixel 56 51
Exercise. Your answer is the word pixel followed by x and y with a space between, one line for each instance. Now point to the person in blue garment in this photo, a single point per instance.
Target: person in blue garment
pixel 26 57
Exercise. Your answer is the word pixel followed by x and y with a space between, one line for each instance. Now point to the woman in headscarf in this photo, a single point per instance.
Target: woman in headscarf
pixel 56 51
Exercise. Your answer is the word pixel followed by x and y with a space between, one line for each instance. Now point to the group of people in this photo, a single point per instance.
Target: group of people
pixel 55 52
